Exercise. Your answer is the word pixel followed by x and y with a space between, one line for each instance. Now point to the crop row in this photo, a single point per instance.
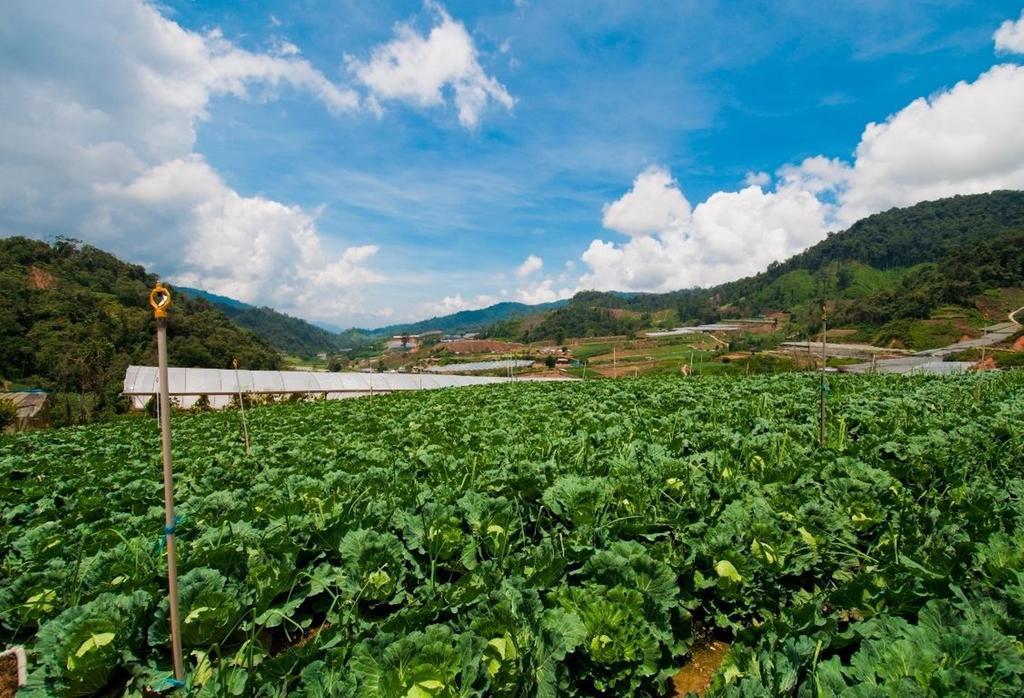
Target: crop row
pixel 536 539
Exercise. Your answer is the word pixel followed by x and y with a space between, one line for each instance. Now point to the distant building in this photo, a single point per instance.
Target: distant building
pixel 409 342
pixel 33 410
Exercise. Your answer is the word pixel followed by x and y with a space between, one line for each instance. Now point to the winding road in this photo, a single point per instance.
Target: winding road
pixel 932 360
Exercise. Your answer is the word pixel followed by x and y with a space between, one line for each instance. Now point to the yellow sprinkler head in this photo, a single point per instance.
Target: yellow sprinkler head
pixel 160 299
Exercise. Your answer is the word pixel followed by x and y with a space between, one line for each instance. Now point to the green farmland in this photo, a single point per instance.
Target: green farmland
pixel 535 539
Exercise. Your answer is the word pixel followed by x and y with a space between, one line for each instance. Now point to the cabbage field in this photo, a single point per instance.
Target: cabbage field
pixel 568 539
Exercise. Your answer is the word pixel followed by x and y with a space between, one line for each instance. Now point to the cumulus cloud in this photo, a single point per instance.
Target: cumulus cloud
pixel 654 204
pixel 453 304
pixel 543 292
pixel 251 248
pixel 1009 37
pixel 963 140
pixel 729 235
pixel 757 179
pixel 98 123
pixel 531 265
pixel 283 47
pixel 418 69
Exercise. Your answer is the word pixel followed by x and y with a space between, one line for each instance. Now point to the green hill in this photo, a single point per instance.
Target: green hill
pixel 298 337
pixel 73 317
pixel 902 264
pixel 470 320
pixel 285 333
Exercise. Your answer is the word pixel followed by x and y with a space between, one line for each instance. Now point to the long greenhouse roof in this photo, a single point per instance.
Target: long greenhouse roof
pixel 143 380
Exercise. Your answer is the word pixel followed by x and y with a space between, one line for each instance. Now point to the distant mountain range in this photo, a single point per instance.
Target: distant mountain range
pixel 300 338
pixel 883 274
pixel 288 334
pixel 470 320
pixel 900 264
pixel 885 269
pixel 72 317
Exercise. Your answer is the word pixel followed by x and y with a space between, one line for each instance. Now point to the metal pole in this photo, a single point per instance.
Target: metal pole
pixel 160 299
pixel 821 389
pixel 241 406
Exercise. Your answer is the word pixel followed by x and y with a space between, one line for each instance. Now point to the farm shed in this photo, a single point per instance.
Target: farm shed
pixel 219 385
pixel 33 409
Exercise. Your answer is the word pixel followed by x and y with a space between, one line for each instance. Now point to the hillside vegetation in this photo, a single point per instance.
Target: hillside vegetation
pixel 296 337
pixel 902 264
pixel 290 335
pixel 885 270
pixel 73 317
pixel 469 320
pixel 544 539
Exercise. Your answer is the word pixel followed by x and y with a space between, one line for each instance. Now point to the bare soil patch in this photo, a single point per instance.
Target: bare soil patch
pixel 40 278
pixel 986 364
pixel 481 346
pixel 8 676
pixel 695 677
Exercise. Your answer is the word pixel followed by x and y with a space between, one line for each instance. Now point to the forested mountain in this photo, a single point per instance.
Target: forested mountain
pixel 469 320
pixel 902 263
pixel 288 334
pixel 73 317
pixel 300 338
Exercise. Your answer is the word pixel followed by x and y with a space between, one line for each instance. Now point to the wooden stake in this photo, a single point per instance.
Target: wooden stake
pixel 160 299
pixel 241 406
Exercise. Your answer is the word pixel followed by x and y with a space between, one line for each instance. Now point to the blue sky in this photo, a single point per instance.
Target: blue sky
pixel 619 143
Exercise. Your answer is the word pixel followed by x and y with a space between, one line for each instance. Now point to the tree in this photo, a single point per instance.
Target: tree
pixel 550 361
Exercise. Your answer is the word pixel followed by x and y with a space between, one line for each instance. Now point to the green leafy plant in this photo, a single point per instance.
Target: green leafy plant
pixel 536 539
pixel 376 565
pixel 210 609
pixel 82 647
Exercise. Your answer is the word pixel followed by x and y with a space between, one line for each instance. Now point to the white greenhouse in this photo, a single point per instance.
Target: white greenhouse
pixel 187 385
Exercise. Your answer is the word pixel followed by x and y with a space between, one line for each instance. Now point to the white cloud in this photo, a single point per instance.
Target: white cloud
pixel 817 175
pixel 653 205
pixel 757 179
pixel 544 292
pixel 963 140
pixel 98 122
pixel 531 265
pixel 729 235
pixel 283 47
pixel 250 248
pixel 416 69
pixel 453 304
pixel 1009 37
